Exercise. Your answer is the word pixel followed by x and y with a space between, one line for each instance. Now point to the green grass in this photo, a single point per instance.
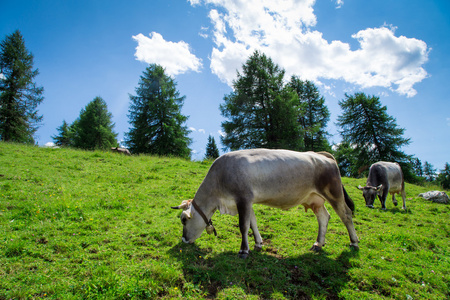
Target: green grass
pixel 97 225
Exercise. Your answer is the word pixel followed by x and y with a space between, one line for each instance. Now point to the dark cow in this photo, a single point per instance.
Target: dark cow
pixel 384 177
pixel 121 150
pixel 277 178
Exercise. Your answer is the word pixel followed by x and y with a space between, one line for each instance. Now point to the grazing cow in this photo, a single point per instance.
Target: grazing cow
pixel 384 177
pixel 277 178
pixel 121 150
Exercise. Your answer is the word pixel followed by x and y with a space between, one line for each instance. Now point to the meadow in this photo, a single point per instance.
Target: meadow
pixel 98 225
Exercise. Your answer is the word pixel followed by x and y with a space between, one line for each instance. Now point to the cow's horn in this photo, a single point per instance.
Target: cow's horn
pixel 184 204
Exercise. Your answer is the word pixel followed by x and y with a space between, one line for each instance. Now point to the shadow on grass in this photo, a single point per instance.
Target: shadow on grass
pixel 393 210
pixel 265 274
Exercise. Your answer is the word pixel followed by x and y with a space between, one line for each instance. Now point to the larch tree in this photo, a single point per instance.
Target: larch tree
pixel 94 128
pixel 444 177
pixel 157 124
pixel 19 94
pixel 370 131
pixel 313 115
pixel 65 135
pixel 212 152
pixel 429 172
pixel 261 111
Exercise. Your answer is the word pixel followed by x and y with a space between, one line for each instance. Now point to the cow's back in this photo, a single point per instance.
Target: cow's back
pixel 386 173
pixel 279 178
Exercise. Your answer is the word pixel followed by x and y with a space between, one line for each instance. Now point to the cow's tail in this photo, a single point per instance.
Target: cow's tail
pixel 348 200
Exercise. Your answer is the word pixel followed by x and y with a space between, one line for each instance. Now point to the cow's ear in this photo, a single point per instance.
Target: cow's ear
pixel 184 204
pixel 360 188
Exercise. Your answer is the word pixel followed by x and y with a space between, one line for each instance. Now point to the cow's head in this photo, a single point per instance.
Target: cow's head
pixel 370 193
pixel 193 223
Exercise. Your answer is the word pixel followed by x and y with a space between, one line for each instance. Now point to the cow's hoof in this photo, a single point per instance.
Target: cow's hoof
pixel 258 248
pixel 243 255
pixel 354 247
pixel 316 248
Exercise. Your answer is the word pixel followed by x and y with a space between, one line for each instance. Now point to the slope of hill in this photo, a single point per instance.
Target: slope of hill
pixel 90 225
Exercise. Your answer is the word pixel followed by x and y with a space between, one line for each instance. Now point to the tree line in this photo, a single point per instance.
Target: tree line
pixel 263 110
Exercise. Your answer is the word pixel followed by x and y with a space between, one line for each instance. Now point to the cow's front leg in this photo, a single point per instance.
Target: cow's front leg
pixel 244 211
pixel 383 201
pixel 254 226
pixel 322 217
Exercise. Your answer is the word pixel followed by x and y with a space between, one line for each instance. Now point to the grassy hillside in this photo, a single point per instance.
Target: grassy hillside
pixel 95 225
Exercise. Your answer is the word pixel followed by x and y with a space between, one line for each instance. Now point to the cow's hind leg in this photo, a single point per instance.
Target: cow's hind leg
pixel 256 234
pixel 394 200
pixel 404 198
pixel 322 217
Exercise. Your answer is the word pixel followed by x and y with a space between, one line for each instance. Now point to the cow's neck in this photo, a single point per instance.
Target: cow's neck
pixel 207 206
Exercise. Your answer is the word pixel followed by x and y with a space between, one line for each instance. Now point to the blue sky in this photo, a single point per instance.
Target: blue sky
pixel 396 50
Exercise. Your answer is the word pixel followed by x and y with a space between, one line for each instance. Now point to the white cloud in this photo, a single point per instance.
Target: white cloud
pixel 49 144
pixel 195 130
pixel 176 58
pixel 339 3
pixel 283 31
pixel 204 32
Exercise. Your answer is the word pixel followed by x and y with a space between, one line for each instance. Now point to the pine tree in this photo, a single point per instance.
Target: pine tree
pixel 212 152
pixel 313 115
pixel 429 172
pixel 444 177
pixel 65 135
pixel 417 167
pixel 345 157
pixel 261 111
pixel 155 116
pixel 373 134
pixel 94 128
pixel 19 95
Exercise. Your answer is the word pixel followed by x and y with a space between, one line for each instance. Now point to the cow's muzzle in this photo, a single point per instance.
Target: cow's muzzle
pixel 186 241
